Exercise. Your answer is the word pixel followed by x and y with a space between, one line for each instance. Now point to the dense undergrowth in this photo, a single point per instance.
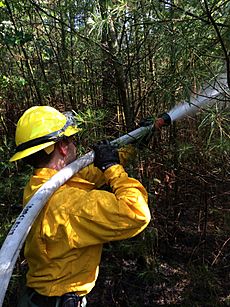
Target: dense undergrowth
pixel 183 257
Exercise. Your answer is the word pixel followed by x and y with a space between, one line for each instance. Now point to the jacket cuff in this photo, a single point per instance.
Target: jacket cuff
pixel 113 172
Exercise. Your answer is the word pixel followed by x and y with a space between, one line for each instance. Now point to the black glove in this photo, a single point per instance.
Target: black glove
pixel 144 141
pixel 146 121
pixel 105 155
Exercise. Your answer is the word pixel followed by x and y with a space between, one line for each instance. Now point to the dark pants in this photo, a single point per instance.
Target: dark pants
pixel 33 299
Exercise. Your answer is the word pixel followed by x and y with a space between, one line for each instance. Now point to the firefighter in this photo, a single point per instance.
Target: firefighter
pixel 63 248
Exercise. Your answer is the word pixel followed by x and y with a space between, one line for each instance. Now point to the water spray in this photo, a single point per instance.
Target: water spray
pixel 16 237
pixel 209 94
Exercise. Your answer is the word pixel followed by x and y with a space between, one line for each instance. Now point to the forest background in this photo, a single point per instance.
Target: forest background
pixel 115 62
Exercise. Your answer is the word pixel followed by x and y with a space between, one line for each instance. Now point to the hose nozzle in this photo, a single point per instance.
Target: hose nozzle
pixel 163 120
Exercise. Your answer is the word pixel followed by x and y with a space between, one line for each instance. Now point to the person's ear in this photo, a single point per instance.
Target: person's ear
pixel 62 148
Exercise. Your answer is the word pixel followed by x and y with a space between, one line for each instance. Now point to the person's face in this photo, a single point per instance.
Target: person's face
pixel 72 151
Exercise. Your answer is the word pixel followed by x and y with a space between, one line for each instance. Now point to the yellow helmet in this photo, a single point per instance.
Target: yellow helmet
pixel 40 127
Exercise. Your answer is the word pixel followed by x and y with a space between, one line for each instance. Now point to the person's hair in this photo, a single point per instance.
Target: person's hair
pixel 38 158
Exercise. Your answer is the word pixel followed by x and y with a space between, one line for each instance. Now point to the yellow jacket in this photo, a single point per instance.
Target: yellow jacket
pixel 64 245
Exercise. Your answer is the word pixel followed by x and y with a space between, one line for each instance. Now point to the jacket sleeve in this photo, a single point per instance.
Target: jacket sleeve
pixel 101 216
pixel 93 174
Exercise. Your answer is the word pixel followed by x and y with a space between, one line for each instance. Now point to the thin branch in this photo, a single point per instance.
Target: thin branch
pixel 220 251
pixel 226 53
pixel 197 17
pixel 88 40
